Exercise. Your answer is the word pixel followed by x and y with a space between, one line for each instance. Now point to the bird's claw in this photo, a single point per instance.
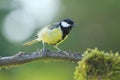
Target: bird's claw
pixel 64 52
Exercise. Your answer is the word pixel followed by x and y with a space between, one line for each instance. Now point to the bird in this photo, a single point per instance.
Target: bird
pixel 53 34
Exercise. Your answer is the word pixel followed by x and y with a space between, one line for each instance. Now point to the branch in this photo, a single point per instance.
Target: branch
pixel 24 57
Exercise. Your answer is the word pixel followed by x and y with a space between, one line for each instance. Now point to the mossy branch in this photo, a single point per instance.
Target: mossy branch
pixel 24 57
pixel 98 65
pixel 92 65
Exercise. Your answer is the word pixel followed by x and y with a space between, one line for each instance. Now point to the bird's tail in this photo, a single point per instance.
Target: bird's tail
pixel 31 42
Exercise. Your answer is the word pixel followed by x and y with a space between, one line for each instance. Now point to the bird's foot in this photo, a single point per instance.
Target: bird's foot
pixel 43 50
pixel 63 52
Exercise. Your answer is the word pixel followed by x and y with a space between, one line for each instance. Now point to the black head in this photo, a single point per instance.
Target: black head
pixel 66 23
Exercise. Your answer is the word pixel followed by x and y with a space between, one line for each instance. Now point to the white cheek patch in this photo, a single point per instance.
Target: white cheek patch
pixel 64 24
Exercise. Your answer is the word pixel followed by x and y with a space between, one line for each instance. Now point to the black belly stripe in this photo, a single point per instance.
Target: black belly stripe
pixel 65 31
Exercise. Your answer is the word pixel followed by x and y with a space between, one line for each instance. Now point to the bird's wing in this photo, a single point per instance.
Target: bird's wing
pixel 54 25
pixel 49 27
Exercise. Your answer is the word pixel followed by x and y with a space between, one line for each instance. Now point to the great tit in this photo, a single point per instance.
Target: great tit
pixel 53 34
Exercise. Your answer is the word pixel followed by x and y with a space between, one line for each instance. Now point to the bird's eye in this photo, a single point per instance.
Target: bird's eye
pixel 65 24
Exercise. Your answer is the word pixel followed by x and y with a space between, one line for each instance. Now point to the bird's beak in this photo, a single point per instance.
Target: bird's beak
pixel 74 25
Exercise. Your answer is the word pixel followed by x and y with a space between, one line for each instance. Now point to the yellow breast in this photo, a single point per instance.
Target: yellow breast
pixel 50 36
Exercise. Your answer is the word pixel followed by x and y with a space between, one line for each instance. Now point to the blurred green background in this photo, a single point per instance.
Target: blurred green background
pixel 98 25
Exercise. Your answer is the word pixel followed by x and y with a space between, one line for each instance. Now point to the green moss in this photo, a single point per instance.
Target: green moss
pixel 98 65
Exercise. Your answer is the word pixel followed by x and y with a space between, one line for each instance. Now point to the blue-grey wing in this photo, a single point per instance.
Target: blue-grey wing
pixel 54 25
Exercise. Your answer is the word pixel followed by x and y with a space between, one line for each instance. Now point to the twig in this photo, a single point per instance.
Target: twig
pixel 24 57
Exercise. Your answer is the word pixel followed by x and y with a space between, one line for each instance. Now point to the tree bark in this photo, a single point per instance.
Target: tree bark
pixel 25 57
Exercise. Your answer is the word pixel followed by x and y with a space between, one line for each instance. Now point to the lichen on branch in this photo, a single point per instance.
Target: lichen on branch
pixel 98 65
pixel 92 65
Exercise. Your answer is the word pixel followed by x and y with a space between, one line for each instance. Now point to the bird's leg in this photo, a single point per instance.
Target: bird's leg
pixel 44 48
pixel 59 50
pixel 55 46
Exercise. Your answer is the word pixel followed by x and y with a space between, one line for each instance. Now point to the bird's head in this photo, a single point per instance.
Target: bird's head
pixel 67 23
